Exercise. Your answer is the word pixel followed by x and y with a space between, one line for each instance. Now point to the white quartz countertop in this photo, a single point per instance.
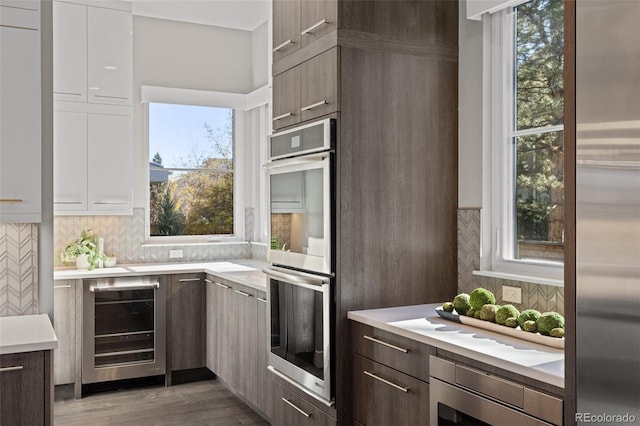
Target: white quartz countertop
pixel 246 272
pixel 26 333
pixel 422 323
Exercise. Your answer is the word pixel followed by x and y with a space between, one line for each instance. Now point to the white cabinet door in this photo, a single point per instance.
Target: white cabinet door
pixel 110 160
pixel 69 52
pixel 20 125
pixel 109 53
pixel 70 161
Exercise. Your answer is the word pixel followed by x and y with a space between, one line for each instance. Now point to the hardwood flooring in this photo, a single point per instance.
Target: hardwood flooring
pixel 200 403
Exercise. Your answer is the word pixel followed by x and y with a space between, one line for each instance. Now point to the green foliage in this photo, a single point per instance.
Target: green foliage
pixel 527 315
pixel 461 303
pixel 87 244
pixel 166 220
pixel 480 297
pixel 488 312
pixel 505 312
pixel 157 158
pixel 539 102
pixel 548 321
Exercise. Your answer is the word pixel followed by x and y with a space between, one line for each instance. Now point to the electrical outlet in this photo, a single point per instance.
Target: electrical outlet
pixel 511 294
pixel 175 254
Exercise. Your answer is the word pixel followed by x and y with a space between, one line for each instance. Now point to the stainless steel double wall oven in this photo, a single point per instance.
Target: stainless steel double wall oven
pixel 301 281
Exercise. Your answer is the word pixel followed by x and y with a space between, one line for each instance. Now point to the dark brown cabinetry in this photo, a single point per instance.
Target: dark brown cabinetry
pixel 307 91
pixel 186 309
pixel 395 80
pixel 236 343
pixel 390 378
pixel 25 388
pixel 291 409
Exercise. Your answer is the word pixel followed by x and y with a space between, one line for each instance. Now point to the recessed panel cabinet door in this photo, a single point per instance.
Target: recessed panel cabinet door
pixel 70 161
pixel 69 52
pixel 264 383
pixel 110 161
pixel 187 310
pixel 286 98
pixel 22 389
pixel 20 131
pixel 110 56
pixel 64 323
pixel 245 336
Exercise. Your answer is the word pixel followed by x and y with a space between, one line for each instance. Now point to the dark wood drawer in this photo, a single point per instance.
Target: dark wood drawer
pixel 384 396
pixel 24 388
pixel 293 410
pixel 406 355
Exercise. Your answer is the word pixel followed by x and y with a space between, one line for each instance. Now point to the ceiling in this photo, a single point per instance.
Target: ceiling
pixel 239 14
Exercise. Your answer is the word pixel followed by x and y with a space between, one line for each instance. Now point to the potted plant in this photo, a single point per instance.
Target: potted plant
pixel 84 251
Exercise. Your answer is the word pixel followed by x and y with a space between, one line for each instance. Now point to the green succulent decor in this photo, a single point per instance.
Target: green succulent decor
pixel 86 244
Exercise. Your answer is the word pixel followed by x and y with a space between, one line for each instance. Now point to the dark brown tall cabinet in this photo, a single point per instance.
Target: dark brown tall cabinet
pixel 387 71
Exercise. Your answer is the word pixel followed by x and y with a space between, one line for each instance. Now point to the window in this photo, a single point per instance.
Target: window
pixel 191 170
pixel 528 91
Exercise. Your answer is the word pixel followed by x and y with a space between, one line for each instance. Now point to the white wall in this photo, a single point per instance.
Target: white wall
pixel 189 56
pixel 470 111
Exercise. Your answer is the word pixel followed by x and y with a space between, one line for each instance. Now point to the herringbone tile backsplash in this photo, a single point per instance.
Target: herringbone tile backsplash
pixel 18 269
pixel 536 296
pixel 124 237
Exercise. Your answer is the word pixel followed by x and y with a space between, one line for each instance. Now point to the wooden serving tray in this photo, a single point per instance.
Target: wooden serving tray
pixel 517 332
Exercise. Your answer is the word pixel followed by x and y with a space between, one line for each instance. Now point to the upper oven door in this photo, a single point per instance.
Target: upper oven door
pixel 301 212
pixel 315 137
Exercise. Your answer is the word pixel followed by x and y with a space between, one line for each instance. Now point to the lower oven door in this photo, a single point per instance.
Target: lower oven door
pixel 300 313
pixel 123 334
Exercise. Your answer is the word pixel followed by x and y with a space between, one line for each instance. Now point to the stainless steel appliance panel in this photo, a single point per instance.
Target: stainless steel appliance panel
pixel 608 207
pixel 305 139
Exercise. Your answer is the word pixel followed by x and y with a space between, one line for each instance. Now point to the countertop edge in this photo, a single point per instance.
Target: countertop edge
pixel 459 350
pixel 40 338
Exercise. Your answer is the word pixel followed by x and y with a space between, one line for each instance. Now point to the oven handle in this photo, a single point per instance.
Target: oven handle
pixel 303 159
pixel 294 278
pixel 98 289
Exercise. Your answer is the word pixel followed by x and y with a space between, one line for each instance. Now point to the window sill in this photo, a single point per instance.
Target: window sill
pixel 190 243
pixel 519 277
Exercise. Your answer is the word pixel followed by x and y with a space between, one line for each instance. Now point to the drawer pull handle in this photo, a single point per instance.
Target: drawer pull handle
pixel 314 26
pixel 186 280
pixel 242 293
pixel 62 286
pixel 389 345
pixel 307 415
pixel 280 117
pixel 16 368
pixel 312 106
pixel 207 280
pixel 280 46
pixel 263 300
pixel 11 200
pixel 386 382
pixel 223 286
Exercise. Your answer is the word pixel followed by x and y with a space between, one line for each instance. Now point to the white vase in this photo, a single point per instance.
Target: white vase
pixel 82 261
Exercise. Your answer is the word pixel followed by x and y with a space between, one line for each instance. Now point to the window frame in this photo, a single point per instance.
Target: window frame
pixel 238 178
pixel 498 244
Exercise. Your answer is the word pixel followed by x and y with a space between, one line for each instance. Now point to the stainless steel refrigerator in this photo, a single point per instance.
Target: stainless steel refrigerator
pixel 608 210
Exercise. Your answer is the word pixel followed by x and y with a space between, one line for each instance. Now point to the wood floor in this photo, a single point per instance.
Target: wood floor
pixel 200 403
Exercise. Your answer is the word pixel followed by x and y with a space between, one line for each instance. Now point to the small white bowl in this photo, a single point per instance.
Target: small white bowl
pixel 110 262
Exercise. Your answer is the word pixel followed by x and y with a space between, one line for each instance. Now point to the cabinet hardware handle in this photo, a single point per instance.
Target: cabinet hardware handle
pixel 186 280
pixel 222 285
pixel 67 202
pixel 307 415
pixel 389 345
pixel 314 26
pixel 262 299
pixel 17 367
pixel 280 46
pixel 312 106
pixel 68 93
pixel 243 293
pixel 119 203
pixel 62 286
pixel 110 97
pixel 280 117
pixel 11 200
pixel 386 382
pixel 207 280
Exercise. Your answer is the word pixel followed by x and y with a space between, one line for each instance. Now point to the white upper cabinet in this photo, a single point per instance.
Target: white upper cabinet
pixel 20 114
pixel 70 52
pixel 92 53
pixel 110 160
pixel 70 161
pixel 110 56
